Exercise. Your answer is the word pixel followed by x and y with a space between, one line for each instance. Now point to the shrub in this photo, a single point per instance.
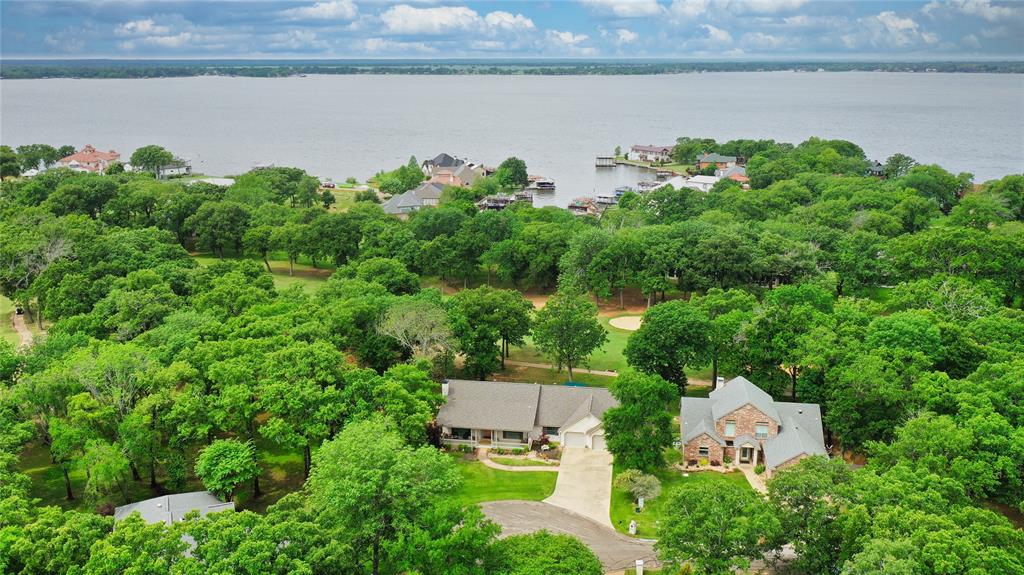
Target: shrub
pixel 105 509
pixel 727 460
pixel 715 463
pixel 703 460
pixel 638 484
pixel 691 462
pixel 759 469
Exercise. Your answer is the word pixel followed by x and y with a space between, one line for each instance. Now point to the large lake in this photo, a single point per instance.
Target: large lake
pixel 340 126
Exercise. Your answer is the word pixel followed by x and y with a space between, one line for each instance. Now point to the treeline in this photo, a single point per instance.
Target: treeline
pixel 271 68
pixel 153 361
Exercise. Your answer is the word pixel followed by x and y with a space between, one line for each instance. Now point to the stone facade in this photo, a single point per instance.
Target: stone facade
pixel 746 418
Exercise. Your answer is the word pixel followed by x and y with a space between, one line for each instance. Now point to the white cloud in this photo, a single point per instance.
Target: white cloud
pixel 981 8
pixel 141 28
pixel 334 10
pixel 762 41
pixel 625 36
pixel 717 34
pixel 378 45
pixel 295 40
pixel 971 41
pixel 64 42
pixel 566 38
pixel 625 8
pixel 889 30
pixel 764 6
pixel 508 21
pixel 172 41
pixel 997 32
pixel 405 19
pixel 682 9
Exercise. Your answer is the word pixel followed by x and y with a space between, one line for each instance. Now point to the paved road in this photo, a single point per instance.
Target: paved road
pixel 584 484
pixel 615 550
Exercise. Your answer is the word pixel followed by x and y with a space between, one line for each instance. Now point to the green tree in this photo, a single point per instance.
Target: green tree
pixel 640 429
pixel 219 225
pixel 672 336
pixel 390 273
pixel 10 164
pixel 544 553
pixel 151 158
pixel 382 494
pixel 716 528
pixel 108 470
pixel 224 465
pixel 898 165
pixel 567 331
pixel 257 240
pixel 511 174
pixel 638 484
pixel 729 312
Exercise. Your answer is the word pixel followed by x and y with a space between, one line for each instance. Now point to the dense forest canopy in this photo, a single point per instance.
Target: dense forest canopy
pixel 895 303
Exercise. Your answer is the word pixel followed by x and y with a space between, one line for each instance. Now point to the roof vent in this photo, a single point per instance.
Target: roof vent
pixel 800 411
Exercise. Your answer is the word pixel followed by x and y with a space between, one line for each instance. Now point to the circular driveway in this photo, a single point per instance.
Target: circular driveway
pixel 615 550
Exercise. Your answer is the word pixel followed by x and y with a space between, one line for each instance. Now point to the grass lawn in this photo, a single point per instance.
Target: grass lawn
pixel 344 198
pixel 481 483
pixel 6 327
pixel 305 275
pixel 280 474
pixel 608 358
pixel 623 510
pixel 513 462
pixel 550 376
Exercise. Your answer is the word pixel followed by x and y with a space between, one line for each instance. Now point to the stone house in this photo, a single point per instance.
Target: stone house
pixel 742 422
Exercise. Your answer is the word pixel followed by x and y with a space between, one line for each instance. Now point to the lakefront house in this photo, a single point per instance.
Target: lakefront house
pixel 514 415
pixel 654 154
pixel 89 159
pixel 741 422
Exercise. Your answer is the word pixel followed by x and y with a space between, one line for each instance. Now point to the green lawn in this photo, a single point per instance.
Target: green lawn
pixel 608 358
pixel 623 510
pixel 513 462
pixel 6 327
pixel 481 483
pixel 305 274
pixel 550 376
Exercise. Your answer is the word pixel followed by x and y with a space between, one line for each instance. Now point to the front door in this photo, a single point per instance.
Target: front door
pixel 485 435
pixel 746 454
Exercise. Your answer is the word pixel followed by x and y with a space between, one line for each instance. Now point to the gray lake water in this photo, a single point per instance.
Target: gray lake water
pixel 340 126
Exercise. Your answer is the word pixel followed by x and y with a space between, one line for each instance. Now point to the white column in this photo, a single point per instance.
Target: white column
pixel 755 456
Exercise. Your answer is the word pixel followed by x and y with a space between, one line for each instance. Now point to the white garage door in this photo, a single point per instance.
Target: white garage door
pixel 575 440
pixel 599 442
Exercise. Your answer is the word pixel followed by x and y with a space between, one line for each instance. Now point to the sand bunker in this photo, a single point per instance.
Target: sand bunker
pixel 626 322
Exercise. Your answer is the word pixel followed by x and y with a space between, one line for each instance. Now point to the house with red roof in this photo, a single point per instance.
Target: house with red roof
pixel 89 159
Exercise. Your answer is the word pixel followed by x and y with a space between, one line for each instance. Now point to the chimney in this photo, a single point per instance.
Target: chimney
pixel 720 381
pixel 444 389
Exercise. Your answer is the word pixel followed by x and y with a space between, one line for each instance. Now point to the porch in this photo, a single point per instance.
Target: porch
pixel 487 438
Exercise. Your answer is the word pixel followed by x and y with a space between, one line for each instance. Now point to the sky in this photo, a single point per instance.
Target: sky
pixel 698 29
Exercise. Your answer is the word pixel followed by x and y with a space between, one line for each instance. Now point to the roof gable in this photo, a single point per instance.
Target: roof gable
pixel 738 392
pixel 520 406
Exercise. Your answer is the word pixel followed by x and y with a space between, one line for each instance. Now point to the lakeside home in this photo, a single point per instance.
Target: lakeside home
pixel 658 154
pixel 89 159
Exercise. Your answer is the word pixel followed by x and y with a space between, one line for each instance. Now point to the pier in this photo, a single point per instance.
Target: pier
pixel 605 162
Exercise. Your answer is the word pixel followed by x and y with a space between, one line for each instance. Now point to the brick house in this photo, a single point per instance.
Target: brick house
pixel 714 159
pixel 740 421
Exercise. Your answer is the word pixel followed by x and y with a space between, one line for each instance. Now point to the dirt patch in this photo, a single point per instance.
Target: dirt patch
pixel 626 322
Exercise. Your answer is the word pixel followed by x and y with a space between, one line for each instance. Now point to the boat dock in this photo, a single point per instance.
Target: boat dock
pixel 605 162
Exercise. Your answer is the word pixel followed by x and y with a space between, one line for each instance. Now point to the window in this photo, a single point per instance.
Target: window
pixel 762 430
pixel 703 451
pixel 730 429
pixel 512 435
pixel 550 431
pixel 460 433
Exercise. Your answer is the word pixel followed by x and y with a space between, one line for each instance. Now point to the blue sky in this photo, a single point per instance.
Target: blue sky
pixel 706 29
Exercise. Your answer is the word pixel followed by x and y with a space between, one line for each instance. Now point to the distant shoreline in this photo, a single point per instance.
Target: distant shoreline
pixel 127 69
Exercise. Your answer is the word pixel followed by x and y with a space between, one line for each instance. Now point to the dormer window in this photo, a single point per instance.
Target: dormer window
pixel 730 429
pixel 762 430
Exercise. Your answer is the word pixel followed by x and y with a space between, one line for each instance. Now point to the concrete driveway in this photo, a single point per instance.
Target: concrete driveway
pixel 584 484
pixel 615 550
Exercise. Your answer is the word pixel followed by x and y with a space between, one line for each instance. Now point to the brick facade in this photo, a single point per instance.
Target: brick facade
pixel 746 418
pixel 692 449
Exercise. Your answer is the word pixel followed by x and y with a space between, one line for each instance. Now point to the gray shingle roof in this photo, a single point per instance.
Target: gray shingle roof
pixel 519 406
pixel 695 419
pixel 444 160
pixel 738 392
pixel 716 157
pixel 413 199
pixel 800 433
pixel 800 429
pixel 170 508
